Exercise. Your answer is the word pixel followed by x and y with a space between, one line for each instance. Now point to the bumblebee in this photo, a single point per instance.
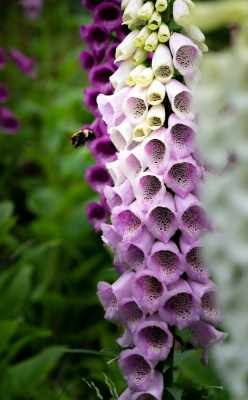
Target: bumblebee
pixel 81 137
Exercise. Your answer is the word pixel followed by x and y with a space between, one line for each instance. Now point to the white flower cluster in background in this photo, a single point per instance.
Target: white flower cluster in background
pixel 222 102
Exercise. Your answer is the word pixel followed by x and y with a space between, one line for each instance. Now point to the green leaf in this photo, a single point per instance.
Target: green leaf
pixel 15 293
pixel 7 329
pixel 175 392
pixel 6 211
pixel 29 374
pixel 192 367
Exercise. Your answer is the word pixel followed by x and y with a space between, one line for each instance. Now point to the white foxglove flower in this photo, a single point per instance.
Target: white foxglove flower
pixel 163 33
pixel 115 172
pixel 135 106
pixel 180 98
pixel 156 93
pixel 151 42
pixel 197 36
pixel 121 135
pixel 181 11
pixel 126 48
pixel 162 63
pixel 186 53
pixel 120 76
pixel 156 117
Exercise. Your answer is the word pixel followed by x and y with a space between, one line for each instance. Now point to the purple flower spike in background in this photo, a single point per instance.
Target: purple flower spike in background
pixel 32 8
pixel 8 122
pixel 2 58
pixel 25 64
pixel 148 174
pixel 4 93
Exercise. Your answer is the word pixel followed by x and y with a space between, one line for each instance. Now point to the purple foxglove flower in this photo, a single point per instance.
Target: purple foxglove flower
pixel 181 137
pixel 135 106
pixel 2 58
pixel 98 177
pixel 153 339
pixel 96 36
pixel 166 261
pixel 128 221
pixel 126 340
pixel 110 235
pixel 180 98
pixel 148 291
pixel 99 127
pixel 32 8
pixel 4 93
pixel 185 53
pixel 99 74
pixel 87 60
pixel 111 107
pixel 108 14
pixel 108 300
pixel 149 190
pixel 119 195
pixel 136 369
pixel 161 220
pixel 157 151
pixel 97 214
pixel 180 306
pixel 155 391
pixel 130 313
pixel 25 64
pixel 207 295
pixel 92 4
pixel 110 53
pixel 134 252
pixel 182 176
pixel 192 217
pixel 122 134
pixel 109 295
pixel 90 100
pixel 103 150
pixel 205 335
pixel 194 263
pixel 8 121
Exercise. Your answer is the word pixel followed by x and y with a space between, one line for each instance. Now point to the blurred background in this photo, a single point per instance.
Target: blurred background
pixel 54 341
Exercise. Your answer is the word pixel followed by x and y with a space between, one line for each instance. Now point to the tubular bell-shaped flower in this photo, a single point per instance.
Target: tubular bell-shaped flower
pixel 150 187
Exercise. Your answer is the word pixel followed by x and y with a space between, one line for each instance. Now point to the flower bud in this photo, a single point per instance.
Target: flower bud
pixel 134 75
pixel 156 93
pixel 126 48
pixel 161 5
pixel 141 37
pixel 131 11
pixel 145 78
pixel 163 33
pixel 156 117
pixel 146 11
pixel 155 21
pixel 140 132
pixel 151 42
pixel 162 64
pixel 139 56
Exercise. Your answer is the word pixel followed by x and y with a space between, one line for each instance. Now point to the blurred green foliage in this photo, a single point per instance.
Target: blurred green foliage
pixel 54 342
